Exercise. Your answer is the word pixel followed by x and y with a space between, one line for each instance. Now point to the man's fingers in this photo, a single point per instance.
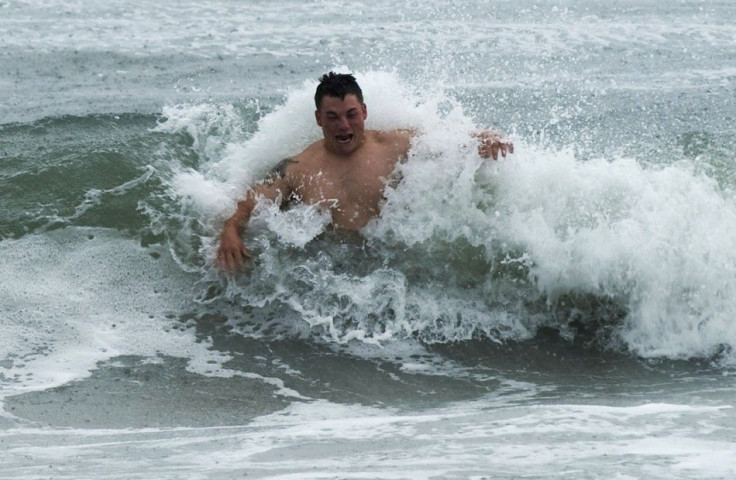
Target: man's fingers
pixel 227 262
pixel 238 260
pixel 231 262
pixel 504 147
pixel 235 263
pixel 491 147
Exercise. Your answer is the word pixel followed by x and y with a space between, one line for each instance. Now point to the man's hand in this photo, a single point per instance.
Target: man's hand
pixel 232 252
pixel 491 143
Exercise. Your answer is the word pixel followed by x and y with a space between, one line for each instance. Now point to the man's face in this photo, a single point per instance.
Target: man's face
pixel 342 122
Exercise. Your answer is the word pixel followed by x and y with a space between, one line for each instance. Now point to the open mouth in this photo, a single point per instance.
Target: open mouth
pixel 344 138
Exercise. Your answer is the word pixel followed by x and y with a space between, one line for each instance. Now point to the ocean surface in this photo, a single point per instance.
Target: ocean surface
pixel 566 312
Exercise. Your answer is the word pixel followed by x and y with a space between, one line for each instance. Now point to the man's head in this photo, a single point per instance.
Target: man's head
pixel 337 85
pixel 341 113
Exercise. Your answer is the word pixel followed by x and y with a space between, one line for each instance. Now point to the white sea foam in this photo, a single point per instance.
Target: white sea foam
pixel 297 226
pixel 655 238
pixel 210 126
pixel 317 440
pixel 81 296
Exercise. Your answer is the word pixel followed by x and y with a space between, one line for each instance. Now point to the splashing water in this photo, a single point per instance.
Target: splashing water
pixel 466 247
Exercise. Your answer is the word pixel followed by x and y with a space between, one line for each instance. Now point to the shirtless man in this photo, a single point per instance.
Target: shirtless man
pixel 345 172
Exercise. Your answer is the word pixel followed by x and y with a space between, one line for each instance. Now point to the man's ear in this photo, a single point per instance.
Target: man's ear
pixel 365 111
pixel 317 117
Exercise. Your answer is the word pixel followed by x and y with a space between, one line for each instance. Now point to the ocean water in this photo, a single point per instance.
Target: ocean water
pixel 566 312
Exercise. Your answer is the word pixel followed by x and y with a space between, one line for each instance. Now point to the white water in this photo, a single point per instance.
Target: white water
pixel 83 296
pixel 321 440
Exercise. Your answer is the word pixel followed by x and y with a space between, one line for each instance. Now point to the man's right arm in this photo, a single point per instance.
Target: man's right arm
pixel 232 252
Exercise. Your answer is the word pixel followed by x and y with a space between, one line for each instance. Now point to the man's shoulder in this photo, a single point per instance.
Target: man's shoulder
pixel 394 142
pixel 302 163
pixel 308 156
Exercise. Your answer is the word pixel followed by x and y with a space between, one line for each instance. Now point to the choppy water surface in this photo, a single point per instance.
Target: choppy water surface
pixel 568 311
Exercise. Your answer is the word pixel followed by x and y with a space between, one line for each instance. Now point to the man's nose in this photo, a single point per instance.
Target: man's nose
pixel 342 122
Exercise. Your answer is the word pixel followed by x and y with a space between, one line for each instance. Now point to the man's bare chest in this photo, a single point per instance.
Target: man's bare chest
pixel 356 186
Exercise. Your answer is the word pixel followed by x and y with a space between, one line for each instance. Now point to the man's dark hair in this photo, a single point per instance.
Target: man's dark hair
pixel 337 85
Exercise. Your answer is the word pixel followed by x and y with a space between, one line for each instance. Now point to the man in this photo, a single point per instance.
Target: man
pixel 345 172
